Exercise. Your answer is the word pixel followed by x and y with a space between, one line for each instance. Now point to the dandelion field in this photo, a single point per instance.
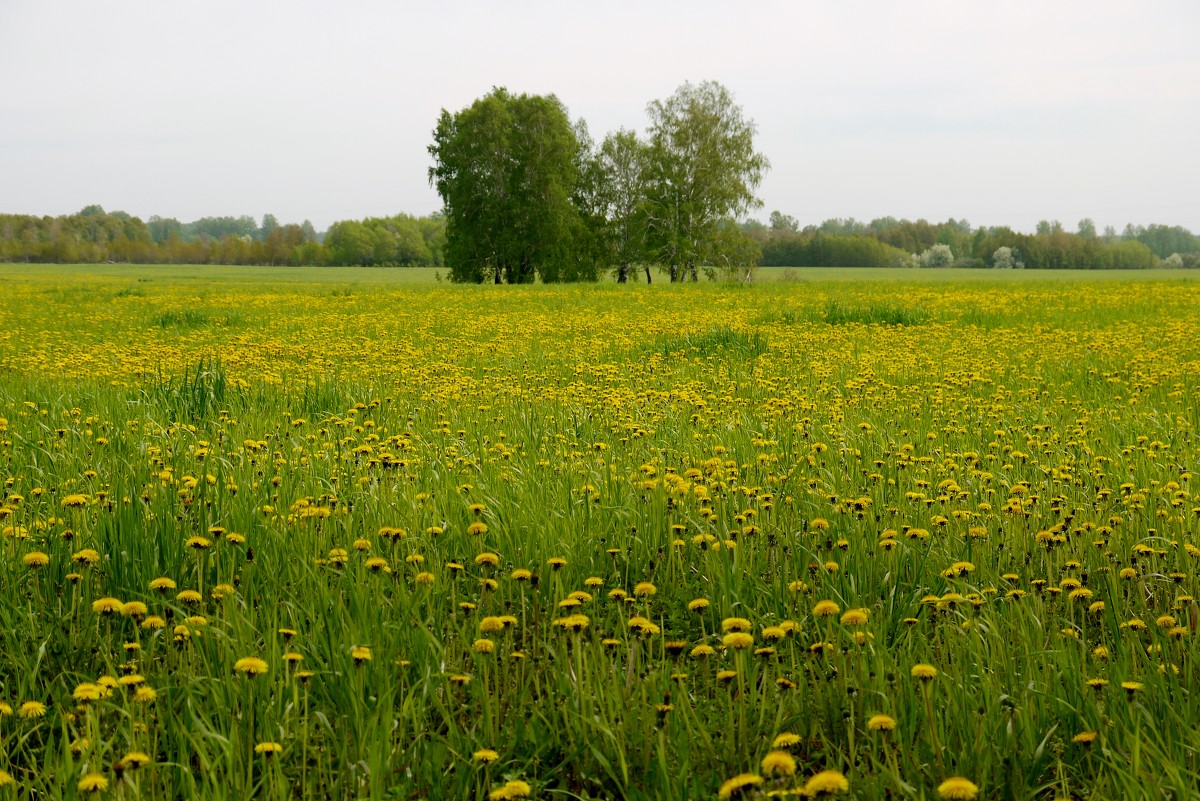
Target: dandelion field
pixel 346 534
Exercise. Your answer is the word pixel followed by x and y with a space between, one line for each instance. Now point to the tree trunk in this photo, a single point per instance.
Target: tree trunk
pixel 647 273
pixel 623 274
pixel 691 270
pixel 498 271
pixel 674 273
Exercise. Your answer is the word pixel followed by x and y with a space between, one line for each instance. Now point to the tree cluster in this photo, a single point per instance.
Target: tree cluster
pixel 94 235
pixel 888 242
pixel 528 195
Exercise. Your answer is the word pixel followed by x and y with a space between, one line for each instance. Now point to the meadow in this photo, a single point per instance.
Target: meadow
pixel 337 533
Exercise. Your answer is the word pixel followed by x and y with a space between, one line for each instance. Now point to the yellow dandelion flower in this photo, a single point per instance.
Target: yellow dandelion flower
pixel 827 782
pixel 738 640
pixel 106 606
pixel 957 788
pixel 31 710
pixel 739 784
pixel 924 672
pixel 825 609
pixel 778 763
pixel 251 666
pixel 93 783
pixel 189 597
pixel 881 723
pixel 785 740
pixel 87 691
pixel 854 617
pixel 511 789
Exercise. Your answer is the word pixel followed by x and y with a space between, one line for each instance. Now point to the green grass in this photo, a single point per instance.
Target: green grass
pixel 752 447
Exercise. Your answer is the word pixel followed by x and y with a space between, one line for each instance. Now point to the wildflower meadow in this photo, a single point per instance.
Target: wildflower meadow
pixel 290 533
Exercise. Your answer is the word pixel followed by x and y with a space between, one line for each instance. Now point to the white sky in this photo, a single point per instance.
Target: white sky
pixel 1001 112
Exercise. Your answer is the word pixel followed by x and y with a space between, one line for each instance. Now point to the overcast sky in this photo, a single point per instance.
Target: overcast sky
pixel 1001 112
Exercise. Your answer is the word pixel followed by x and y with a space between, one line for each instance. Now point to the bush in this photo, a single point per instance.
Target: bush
pixel 937 256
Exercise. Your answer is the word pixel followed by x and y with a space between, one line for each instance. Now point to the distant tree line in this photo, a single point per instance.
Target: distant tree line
pixel 611 233
pixel 94 235
pixel 889 242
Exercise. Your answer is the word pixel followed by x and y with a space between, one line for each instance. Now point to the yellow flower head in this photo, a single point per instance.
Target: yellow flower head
pixel 778 763
pixel 738 784
pixel 251 666
pixel 924 672
pixel 510 790
pixel 106 606
pixel 854 617
pixel 93 783
pixel 785 740
pixel 738 640
pixel 958 789
pixel 881 723
pixel 827 782
pixel 88 692
pixel 825 609
pixel 31 710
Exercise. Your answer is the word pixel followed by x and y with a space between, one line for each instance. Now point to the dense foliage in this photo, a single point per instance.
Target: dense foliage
pixel 94 235
pixel 888 242
pixel 528 195
pixel 301 533
pixel 506 168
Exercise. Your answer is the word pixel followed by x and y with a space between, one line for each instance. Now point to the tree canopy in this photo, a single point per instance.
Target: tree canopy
pixel 703 171
pixel 506 167
pixel 526 193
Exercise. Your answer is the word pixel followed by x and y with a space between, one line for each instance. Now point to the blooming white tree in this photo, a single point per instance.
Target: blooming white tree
pixel 1005 258
pixel 937 256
